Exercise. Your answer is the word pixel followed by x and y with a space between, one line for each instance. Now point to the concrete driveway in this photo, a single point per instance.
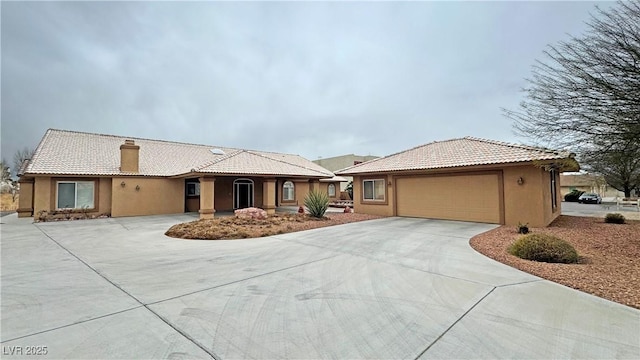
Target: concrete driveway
pixel 388 288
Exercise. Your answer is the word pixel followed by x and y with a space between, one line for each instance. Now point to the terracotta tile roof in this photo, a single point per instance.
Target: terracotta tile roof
pixel 64 152
pixel 454 153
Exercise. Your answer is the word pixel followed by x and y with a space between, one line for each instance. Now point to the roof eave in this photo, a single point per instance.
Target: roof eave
pixel 562 164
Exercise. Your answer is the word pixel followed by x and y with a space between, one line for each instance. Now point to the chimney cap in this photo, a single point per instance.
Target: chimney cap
pixel 129 142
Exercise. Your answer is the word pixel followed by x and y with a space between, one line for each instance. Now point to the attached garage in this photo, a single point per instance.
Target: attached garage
pixel 461 197
pixel 465 179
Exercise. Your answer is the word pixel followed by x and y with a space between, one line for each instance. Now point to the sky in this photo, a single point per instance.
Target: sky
pixel 318 79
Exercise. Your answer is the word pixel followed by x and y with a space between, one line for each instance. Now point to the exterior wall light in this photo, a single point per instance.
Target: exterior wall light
pixel 520 180
pixel 122 184
pixel 137 187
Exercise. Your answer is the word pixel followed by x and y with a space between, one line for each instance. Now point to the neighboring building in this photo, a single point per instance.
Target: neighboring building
pixel 588 183
pixel 340 162
pixel 123 176
pixel 466 179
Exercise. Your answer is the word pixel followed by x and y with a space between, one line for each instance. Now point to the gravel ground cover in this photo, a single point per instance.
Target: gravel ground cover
pixel 609 264
pixel 231 228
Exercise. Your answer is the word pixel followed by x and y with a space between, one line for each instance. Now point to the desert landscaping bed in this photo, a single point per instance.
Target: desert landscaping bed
pixel 609 265
pixel 231 228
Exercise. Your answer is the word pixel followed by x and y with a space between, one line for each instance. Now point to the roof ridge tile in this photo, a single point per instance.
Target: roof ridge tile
pixel 220 159
pixel 288 163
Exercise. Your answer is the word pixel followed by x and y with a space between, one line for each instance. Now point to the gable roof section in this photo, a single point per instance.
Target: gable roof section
pixel 467 151
pixel 76 153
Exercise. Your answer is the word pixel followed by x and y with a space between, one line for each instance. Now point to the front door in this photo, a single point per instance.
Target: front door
pixel 242 193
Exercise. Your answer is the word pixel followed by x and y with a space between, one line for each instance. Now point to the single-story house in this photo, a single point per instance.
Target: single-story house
pixel 466 179
pixel 590 183
pixel 122 176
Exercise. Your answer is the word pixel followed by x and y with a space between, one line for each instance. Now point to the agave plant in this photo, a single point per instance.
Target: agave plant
pixel 317 203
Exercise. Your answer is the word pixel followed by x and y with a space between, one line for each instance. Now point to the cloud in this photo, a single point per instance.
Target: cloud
pixel 313 78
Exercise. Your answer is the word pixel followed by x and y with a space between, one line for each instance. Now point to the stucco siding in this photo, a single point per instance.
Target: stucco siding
pixel 155 196
pixel 382 208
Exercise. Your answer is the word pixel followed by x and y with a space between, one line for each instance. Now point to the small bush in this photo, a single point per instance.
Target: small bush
pixel 317 203
pixel 614 218
pixel 544 248
pixel 522 228
pixel 573 196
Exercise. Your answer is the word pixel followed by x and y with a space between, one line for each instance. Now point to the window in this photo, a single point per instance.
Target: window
pixel 373 189
pixel 331 190
pixel 554 195
pixel 193 189
pixel 75 195
pixel 288 191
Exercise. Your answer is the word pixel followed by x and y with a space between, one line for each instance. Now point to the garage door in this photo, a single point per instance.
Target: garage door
pixel 464 197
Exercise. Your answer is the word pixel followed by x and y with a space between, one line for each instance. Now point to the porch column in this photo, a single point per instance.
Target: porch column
pixel 207 193
pixel 269 195
pixel 25 201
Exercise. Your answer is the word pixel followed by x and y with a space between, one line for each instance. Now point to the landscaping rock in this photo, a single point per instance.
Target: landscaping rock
pixel 251 213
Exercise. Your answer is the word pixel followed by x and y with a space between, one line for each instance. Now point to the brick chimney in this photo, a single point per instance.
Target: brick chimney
pixel 129 156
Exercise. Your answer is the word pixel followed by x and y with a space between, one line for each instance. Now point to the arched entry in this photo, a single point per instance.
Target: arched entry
pixel 242 193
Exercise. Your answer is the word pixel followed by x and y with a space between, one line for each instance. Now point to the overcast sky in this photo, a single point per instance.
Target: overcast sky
pixel 318 79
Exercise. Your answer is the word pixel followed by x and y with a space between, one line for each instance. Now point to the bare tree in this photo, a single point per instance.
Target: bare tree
pixel 5 173
pixel 585 95
pixel 19 157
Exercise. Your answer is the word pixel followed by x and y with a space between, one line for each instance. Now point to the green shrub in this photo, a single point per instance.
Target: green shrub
pixel 573 195
pixel 545 248
pixel 614 218
pixel 317 203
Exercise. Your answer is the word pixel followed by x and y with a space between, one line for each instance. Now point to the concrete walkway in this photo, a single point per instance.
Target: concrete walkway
pixel 388 288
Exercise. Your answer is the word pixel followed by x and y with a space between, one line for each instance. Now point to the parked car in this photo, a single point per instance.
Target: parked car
pixel 573 195
pixel 590 198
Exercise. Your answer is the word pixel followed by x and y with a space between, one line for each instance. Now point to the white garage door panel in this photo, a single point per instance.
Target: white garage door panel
pixel 468 197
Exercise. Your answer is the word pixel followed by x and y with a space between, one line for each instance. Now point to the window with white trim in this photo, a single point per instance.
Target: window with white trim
pixel 373 190
pixel 288 191
pixel 193 189
pixel 75 195
pixel 331 190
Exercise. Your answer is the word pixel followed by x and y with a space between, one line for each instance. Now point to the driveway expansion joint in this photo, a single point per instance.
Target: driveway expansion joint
pixel 128 294
pixel 454 324
pixel 520 283
pixel 71 324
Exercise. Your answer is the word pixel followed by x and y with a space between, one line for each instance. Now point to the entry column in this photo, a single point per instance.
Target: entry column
pixel 269 195
pixel 207 193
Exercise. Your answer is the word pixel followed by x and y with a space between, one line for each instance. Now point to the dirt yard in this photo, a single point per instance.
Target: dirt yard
pixel 609 253
pixel 7 204
pixel 231 228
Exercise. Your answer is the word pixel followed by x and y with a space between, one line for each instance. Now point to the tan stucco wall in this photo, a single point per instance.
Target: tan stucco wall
pixel 45 189
pixel 129 157
pixel 385 208
pixel 156 196
pixel 104 195
pixel 527 203
pixel 324 187
pixel 301 189
pixel 530 202
pixel 42 195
